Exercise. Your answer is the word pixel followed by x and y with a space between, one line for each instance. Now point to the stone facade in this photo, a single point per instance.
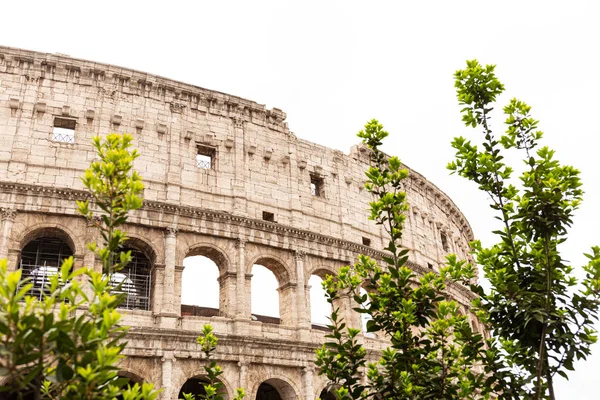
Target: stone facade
pixel 252 203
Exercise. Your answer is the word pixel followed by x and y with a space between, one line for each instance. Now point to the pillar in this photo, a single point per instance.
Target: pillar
pixel 228 294
pixel 242 309
pixel 168 302
pixel 169 391
pixel 307 383
pixel 7 216
pixel 288 304
pixel 242 383
pixel 302 294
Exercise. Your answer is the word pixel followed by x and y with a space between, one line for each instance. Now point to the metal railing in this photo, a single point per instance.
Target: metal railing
pixel 39 276
pixel 63 137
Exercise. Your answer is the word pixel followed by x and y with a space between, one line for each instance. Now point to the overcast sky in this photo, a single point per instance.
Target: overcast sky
pixel 332 66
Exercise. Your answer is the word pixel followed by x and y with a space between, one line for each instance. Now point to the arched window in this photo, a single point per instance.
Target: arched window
pixel 264 295
pixel 200 287
pixel 134 281
pixel 41 259
pixel 320 309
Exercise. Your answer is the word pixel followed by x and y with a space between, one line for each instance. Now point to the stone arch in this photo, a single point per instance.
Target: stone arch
pixel 325 392
pixel 224 281
pixel 131 376
pixel 213 252
pixel 321 271
pixel 54 230
pixel 284 388
pixel 285 287
pixel 274 264
pixel 200 375
pixel 139 243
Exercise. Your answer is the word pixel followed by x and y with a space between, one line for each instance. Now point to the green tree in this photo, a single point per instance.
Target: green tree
pixel 541 315
pixel 208 342
pixel 66 345
pixel 434 353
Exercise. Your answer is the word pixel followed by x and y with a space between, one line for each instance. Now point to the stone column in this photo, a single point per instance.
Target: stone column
pixel 177 289
pixel 168 302
pixel 243 372
pixel 288 304
pixel 242 308
pixel 167 377
pixel 307 383
pixel 303 316
pixel 228 294
pixel 7 216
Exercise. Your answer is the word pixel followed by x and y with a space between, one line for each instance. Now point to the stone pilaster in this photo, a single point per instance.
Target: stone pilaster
pixel 228 294
pixel 242 308
pixel 7 216
pixel 243 380
pixel 168 302
pixel 301 293
pixel 288 310
pixel 307 383
pixel 167 377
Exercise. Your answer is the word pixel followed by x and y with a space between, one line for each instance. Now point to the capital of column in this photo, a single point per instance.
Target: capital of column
pixel 308 369
pixel 8 214
pixel 238 122
pixel 300 255
pixel 240 243
pixel 170 231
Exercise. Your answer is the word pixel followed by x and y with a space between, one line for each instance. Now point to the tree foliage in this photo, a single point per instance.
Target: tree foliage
pixel 213 388
pixel 541 315
pixel 434 352
pixel 66 345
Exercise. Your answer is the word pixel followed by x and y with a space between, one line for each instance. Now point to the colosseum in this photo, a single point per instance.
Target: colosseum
pixel 224 179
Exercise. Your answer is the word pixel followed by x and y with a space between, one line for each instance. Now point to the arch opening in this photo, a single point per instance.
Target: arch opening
pixel 200 288
pixel 134 281
pixel 275 389
pixel 326 395
pixel 195 386
pixel 265 294
pixel 320 309
pixel 41 259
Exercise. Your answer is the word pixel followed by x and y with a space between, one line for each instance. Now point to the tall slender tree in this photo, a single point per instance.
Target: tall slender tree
pixel 541 315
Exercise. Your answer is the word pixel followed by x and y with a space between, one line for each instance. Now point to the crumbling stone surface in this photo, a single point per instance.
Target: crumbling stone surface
pixel 256 169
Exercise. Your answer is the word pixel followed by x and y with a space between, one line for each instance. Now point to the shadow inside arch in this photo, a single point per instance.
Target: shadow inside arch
pixel 276 389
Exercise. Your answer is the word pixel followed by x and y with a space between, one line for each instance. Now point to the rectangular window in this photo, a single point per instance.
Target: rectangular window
pixel 64 130
pixel 316 185
pixel 267 216
pixel 205 157
pixel 445 242
pixel 366 241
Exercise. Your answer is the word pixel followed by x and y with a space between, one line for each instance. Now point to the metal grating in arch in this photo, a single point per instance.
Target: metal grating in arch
pixel 134 281
pixel 41 259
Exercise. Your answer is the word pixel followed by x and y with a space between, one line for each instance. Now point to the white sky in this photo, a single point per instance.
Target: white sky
pixel 334 65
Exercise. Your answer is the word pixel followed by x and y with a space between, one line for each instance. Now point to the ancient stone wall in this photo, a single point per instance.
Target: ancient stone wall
pixel 226 179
